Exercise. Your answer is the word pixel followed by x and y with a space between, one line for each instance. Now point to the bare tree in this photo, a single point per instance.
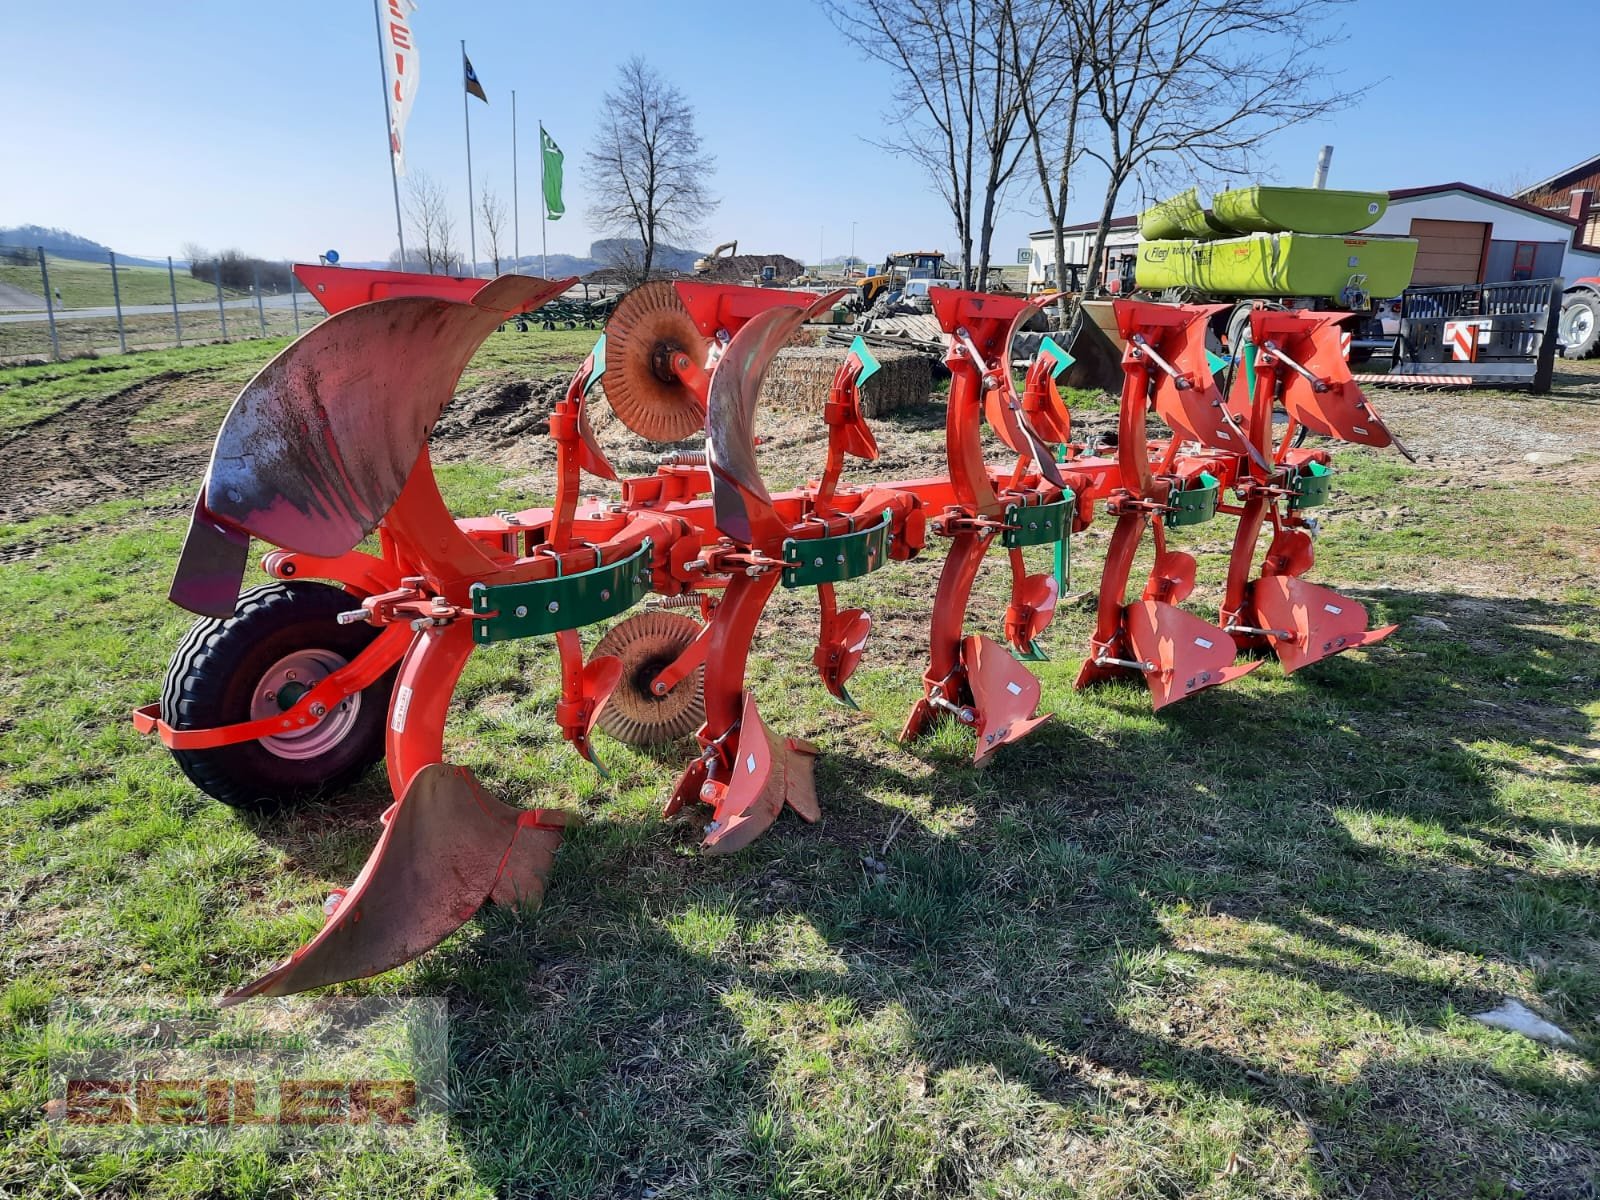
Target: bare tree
pixel 492 213
pixel 1051 106
pixel 647 172
pixel 1187 84
pixel 965 71
pixel 433 228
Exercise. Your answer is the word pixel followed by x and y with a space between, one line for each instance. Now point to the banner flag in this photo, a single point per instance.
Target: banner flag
pixel 553 205
pixel 471 79
pixel 401 72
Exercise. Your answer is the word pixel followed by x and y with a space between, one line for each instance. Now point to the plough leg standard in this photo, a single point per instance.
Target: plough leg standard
pixel 301 684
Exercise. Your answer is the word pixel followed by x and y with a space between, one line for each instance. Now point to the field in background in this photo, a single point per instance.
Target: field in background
pixel 88 284
pixel 1226 951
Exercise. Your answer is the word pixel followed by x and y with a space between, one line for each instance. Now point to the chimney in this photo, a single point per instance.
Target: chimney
pixel 1581 210
pixel 1324 160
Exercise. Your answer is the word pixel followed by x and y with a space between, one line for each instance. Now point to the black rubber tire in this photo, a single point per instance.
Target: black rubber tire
pixel 1589 345
pixel 215 670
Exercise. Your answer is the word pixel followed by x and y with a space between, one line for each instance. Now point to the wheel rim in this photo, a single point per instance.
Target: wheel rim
pixel 1579 324
pixel 283 683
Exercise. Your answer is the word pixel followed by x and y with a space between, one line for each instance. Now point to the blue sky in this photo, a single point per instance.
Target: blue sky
pixel 260 126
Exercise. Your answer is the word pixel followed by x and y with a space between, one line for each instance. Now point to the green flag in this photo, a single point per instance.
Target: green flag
pixel 551 152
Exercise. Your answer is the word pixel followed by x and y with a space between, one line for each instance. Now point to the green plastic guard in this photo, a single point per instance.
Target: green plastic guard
pixel 1312 486
pixel 1195 505
pixel 810 561
pixel 521 610
pixel 1038 524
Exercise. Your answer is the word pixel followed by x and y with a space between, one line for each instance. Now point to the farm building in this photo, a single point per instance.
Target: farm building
pixel 1122 241
pixel 1574 192
pixel 1467 234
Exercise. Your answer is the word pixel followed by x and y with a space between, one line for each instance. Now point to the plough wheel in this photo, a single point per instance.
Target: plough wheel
pixel 649 327
pixel 648 643
pixel 282 638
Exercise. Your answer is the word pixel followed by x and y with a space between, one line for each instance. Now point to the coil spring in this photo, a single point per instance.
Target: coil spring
pixel 686 600
pixel 685 458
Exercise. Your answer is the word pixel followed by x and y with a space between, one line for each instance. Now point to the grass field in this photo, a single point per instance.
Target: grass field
pixel 1227 951
pixel 97 336
pixel 88 284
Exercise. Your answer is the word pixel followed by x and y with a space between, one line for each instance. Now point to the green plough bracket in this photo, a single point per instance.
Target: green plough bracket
pixel 1038 524
pixel 1312 486
pixel 810 561
pixel 1195 505
pixel 521 610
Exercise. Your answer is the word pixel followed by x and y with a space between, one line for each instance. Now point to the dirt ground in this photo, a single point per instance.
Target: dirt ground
pixel 159 433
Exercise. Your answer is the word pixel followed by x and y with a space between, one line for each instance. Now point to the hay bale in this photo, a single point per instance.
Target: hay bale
pixel 799 378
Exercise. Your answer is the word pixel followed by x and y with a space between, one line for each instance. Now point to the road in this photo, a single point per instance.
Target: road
pixel 138 310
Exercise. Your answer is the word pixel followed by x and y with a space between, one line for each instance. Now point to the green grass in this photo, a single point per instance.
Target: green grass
pixel 1228 950
pixel 34 393
pixel 88 284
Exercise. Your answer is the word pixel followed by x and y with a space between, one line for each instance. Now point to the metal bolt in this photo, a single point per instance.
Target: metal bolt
pixel 555 606
pixel 605 593
pixel 319 709
pixel 272 695
pixel 233 494
pixel 289 675
pixel 840 560
pixel 817 563
pixel 522 610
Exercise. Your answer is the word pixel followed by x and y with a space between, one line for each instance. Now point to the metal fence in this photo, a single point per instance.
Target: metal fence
pixel 55 308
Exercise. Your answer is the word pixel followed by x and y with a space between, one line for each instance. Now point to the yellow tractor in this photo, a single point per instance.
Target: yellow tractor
pixel 897 269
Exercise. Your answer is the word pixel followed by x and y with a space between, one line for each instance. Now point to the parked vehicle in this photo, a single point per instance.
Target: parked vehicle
pixel 1579 330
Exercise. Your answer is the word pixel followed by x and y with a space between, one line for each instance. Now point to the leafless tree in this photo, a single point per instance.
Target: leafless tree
pixel 492 213
pixel 1198 84
pixel 1051 106
pixel 962 69
pixel 433 229
pixel 647 172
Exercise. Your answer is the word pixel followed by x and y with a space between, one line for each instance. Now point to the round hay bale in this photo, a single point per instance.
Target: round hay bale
pixel 799 378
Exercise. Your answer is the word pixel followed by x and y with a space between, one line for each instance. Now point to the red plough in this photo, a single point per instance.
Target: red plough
pixel 302 684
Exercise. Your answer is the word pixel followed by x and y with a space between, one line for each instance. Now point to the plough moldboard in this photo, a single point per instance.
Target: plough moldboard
pixel 352 653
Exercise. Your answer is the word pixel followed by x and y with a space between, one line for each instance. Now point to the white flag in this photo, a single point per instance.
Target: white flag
pixel 400 71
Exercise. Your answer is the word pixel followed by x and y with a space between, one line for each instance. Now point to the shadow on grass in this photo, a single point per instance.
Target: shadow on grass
pixel 1258 904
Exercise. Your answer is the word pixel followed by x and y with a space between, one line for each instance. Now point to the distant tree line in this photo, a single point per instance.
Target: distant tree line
pixel 239 271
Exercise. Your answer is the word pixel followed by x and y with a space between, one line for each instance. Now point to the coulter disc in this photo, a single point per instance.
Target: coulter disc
pixel 648 643
pixel 648 327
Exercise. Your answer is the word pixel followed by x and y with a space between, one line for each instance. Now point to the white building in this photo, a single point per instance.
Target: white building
pixel 1469 235
pixel 1122 240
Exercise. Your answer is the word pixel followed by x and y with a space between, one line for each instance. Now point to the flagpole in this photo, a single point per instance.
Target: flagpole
pixel 516 207
pixel 466 115
pixel 388 121
pixel 544 266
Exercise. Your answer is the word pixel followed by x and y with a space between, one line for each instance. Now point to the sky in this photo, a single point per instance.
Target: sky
pixel 260 126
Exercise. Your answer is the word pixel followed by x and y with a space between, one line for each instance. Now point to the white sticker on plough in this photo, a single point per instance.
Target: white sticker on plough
pixel 1202 643
pixel 402 705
